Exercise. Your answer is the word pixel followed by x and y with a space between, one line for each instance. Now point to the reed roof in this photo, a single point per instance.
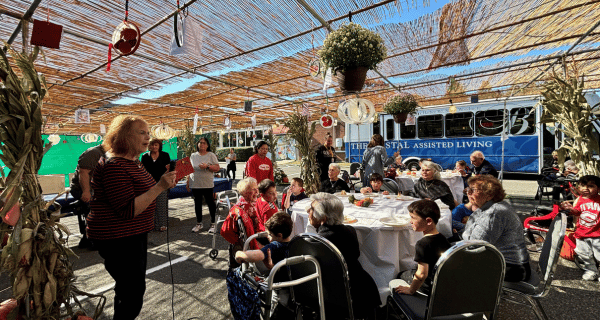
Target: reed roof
pixel 260 50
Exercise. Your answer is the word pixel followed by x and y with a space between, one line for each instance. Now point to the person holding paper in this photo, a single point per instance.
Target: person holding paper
pixel 157 162
pixel 201 182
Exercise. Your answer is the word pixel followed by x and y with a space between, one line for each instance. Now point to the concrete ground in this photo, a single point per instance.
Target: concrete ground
pixel 184 283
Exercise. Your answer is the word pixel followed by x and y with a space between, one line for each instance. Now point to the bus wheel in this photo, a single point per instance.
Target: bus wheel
pixel 413 164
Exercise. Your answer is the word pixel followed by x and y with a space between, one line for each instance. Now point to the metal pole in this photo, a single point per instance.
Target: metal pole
pixel 26 17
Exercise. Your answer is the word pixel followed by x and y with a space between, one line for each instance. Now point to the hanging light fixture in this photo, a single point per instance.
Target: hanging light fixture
pixel 54 139
pixel 162 132
pixel 90 137
pixel 356 111
pixel 452 108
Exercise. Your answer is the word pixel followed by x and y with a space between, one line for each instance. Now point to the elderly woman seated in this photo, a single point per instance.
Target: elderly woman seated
pixel 326 214
pixel 497 223
pixel 244 209
pixel 430 185
pixel 334 184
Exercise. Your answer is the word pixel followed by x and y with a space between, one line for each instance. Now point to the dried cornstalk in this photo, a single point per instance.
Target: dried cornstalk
pixel 302 132
pixel 565 103
pixel 36 254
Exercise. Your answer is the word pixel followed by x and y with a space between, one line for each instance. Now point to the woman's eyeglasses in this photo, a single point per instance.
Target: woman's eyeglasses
pixel 470 190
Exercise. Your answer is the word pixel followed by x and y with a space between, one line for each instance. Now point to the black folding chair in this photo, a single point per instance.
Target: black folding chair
pixel 537 288
pixel 390 186
pixel 336 281
pixel 467 285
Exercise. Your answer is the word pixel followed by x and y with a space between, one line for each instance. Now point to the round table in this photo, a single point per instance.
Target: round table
pixel 385 250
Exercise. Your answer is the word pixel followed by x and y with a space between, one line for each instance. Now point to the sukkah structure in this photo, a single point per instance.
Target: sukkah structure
pixel 261 52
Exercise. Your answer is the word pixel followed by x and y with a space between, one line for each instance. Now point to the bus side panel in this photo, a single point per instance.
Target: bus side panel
pixel 355 150
pixel 520 152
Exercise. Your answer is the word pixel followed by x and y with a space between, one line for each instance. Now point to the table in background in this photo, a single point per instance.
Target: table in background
pixel 454 181
pixel 179 191
pixel 384 250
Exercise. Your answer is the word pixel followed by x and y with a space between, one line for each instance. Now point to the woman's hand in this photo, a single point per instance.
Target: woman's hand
pixel 167 180
pixel 403 289
pixel 203 166
pixel 396 154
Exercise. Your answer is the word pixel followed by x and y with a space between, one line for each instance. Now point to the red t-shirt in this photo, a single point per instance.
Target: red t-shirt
pixel 588 210
pixel 259 169
pixel 265 210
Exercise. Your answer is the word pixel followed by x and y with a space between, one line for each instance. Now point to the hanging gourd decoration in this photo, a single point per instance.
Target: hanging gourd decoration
pixel 326 121
pixel 125 38
pixel 90 137
pixel 54 139
pixel 162 132
pixel 356 111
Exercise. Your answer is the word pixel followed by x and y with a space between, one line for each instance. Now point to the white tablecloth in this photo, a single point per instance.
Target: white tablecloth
pixel 385 250
pixel 455 182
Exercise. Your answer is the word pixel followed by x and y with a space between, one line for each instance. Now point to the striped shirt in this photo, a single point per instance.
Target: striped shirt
pixel 116 183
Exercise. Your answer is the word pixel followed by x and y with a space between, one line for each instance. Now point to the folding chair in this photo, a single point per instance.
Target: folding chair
pixel 336 281
pixel 354 166
pixel 537 288
pixel 545 188
pixel 390 186
pixel 467 285
pixel 275 280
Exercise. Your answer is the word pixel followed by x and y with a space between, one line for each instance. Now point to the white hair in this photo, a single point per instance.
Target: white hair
pixel 432 166
pixel 244 184
pixel 328 206
pixel 335 165
pixel 478 154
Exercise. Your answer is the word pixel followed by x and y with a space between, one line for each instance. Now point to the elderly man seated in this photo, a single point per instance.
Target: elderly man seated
pixel 333 184
pixel 481 166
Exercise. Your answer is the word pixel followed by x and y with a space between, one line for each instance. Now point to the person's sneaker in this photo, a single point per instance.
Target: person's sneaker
pixel 589 276
pixel 197 228
pixel 212 228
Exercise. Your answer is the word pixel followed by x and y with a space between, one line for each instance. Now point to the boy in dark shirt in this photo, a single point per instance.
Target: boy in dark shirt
pixel 279 227
pixel 376 181
pixel 424 215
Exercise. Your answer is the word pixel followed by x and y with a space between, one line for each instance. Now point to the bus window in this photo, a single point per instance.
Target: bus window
pixel 431 126
pixel 377 127
pixel 459 124
pixel 407 132
pixel 522 121
pixel 389 129
pixel 488 123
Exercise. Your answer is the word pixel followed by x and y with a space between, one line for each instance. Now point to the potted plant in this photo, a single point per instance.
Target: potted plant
pixel 350 52
pixel 400 106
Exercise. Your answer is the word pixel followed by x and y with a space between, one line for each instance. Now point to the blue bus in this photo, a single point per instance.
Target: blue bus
pixel 448 137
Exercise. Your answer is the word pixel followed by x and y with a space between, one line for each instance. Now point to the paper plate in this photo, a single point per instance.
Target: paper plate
pixel 404 198
pixel 395 221
pixel 350 219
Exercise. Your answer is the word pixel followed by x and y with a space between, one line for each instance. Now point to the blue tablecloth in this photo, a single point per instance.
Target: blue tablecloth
pixel 221 184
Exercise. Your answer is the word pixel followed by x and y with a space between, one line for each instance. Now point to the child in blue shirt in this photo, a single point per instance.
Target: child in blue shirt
pixel 460 215
pixel 279 227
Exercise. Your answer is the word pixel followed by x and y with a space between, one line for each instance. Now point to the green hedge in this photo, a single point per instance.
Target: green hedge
pixel 242 154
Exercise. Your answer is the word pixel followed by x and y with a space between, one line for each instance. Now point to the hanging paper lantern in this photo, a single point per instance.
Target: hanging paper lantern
pixel 326 121
pixel 54 139
pixel 163 132
pixel 356 111
pixel 90 137
pixel 126 38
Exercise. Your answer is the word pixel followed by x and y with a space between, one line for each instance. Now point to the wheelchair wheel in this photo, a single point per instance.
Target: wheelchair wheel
pixel 534 240
pixel 213 254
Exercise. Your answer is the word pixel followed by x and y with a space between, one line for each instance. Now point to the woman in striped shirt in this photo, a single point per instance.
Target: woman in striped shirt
pixel 123 211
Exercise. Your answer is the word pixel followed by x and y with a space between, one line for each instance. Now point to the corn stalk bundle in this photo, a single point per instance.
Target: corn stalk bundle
pixel 302 132
pixel 565 103
pixel 186 141
pixel 272 141
pixel 36 254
